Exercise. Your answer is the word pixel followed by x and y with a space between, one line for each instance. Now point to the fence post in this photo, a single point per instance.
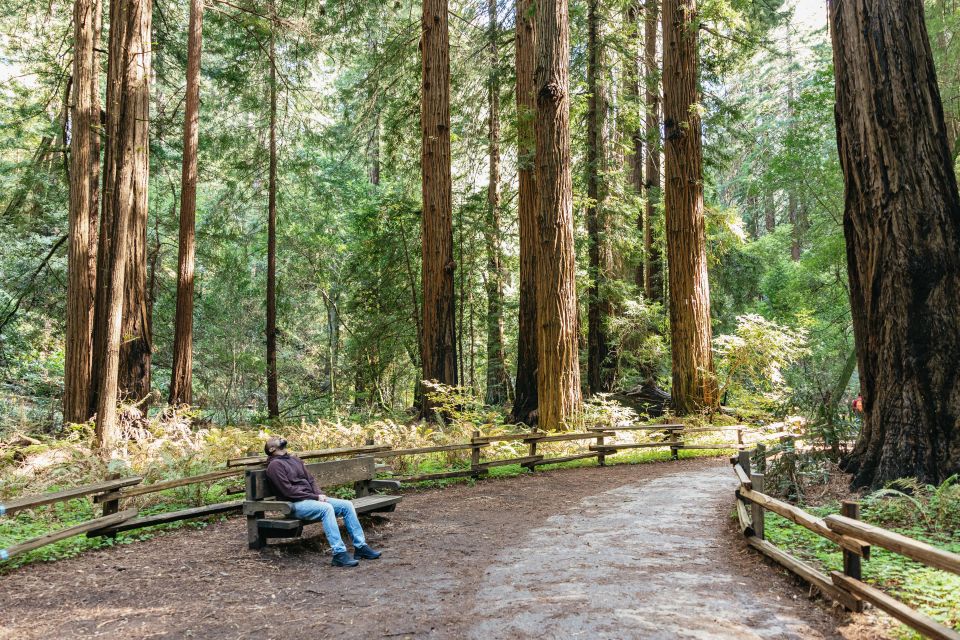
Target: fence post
pixel 851 561
pixel 601 456
pixel 475 454
pixel 743 457
pixel 111 507
pixel 756 511
pixel 739 437
pixel 674 442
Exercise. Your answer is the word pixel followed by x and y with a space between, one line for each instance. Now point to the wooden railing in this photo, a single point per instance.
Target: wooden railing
pixel 854 538
pixel 109 493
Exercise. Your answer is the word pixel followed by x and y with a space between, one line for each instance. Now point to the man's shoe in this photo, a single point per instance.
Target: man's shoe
pixel 365 553
pixel 343 559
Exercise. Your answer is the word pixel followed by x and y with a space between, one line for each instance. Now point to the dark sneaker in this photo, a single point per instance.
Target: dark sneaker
pixel 365 553
pixel 343 559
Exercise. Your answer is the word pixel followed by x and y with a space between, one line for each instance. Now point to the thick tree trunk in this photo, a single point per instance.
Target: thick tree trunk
pixel 499 389
pixel 558 376
pixel 902 229
pixel 634 64
pixel 694 385
pixel 653 265
pixel 128 128
pixel 273 400
pixel 599 308
pixel 525 403
pixel 84 183
pixel 136 348
pixel 181 380
pixel 439 304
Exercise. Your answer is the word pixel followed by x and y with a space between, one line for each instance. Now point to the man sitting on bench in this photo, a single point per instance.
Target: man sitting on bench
pixel 294 483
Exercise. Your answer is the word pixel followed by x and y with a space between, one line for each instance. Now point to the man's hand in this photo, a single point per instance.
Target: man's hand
pixel 322 498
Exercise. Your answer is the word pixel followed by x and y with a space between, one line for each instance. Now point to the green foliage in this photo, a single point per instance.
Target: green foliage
pixel 753 359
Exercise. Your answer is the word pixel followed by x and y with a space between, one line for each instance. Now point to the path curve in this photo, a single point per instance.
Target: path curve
pixel 641 557
pixel 628 551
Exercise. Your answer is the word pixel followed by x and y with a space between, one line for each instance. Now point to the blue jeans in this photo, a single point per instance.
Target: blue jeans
pixel 327 513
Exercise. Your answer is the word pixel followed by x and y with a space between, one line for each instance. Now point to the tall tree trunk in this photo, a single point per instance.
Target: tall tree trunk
pixel 558 375
pixel 599 309
pixel 136 348
pixel 792 213
pixel 653 266
pixel 769 212
pixel 634 64
pixel 439 305
pixel 84 183
pixel 128 128
pixel 525 403
pixel 181 380
pixel 694 385
pixel 902 227
pixel 499 389
pixel 273 400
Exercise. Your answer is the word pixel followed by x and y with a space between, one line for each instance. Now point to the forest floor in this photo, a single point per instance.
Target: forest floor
pixel 627 551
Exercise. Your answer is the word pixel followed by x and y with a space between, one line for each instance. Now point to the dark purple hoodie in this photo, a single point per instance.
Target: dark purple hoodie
pixel 291 479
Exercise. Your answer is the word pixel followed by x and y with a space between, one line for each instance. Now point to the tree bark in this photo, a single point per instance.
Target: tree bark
pixel 439 304
pixel 128 128
pixel 653 267
pixel 136 347
pixel 525 402
pixel 599 308
pixel 902 230
pixel 273 400
pixel 558 375
pixel 84 183
pixel 498 387
pixel 181 380
pixel 633 61
pixel 694 385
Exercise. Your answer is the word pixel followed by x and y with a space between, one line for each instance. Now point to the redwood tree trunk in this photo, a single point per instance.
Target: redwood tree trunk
pixel 558 376
pixel 136 348
pixel 633 62
pixel 181 380
pixel 498 389
pixel 902 229
pixel 439 305
pixel 694 385
pixel 653 267
pixel 525 402
pixel 128 128
pixel 84 182
pixel 273 401
pixel 599 308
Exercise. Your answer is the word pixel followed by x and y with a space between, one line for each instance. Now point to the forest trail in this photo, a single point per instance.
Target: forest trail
pixel 628 551
pixel 642 557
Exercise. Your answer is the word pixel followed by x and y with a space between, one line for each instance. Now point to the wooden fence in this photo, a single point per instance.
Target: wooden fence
pixel 110 492
pixel 854 538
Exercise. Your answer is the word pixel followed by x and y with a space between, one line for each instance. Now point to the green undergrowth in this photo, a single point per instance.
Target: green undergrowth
pixel 931 591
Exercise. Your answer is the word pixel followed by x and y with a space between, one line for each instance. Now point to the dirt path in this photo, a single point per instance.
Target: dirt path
pixel 645 551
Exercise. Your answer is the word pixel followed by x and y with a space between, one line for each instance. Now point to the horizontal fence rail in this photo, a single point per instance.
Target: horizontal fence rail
pixel 110 492
pixel 854 538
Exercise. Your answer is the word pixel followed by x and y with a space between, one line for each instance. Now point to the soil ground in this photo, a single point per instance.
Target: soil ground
pixel 627 551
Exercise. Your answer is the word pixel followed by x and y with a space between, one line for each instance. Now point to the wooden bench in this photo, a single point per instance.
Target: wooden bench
pixel 261 497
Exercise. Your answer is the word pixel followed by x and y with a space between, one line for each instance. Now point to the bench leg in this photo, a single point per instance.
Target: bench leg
pixel 254 539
